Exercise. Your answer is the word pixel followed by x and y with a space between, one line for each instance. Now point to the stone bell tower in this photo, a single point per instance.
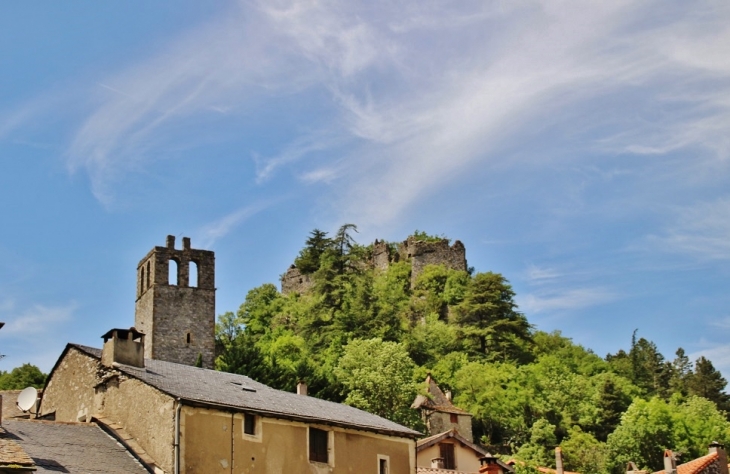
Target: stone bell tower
pixel 175 306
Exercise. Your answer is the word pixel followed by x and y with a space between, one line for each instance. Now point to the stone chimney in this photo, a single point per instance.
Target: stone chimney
pixel 632 469
pixel 489 465
pixel 559 460
pixel 670 464
pixel 123 346
pixel 302 388
pixel 437 463
pixel 448 395
pixel 718 448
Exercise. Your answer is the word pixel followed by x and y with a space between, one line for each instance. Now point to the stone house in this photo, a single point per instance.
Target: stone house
pixel 450 447
pixel 177 418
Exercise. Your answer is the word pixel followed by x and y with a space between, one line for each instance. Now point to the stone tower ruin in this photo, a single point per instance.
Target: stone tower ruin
pixel 175 306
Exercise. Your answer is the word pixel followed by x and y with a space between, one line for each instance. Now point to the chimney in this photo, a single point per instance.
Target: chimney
pixel 123 346
pixel 302 388
pixel 488 465
pixel 437 463
pixel 632 469
pixel 670 464
pixel 718 448
pixel 448 395
pixel 559 460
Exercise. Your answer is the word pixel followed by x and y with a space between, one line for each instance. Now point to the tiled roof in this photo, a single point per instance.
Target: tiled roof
pixel 544 470
pixel 433 470
pixel 436 400
pixel 71 447
pixel 695 466
pixel 12 454
pixel 241 392
pixel 452 433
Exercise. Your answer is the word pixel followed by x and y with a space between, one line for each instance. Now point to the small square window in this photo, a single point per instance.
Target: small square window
pixel 249 424
pixel 318 445
pixel 454 418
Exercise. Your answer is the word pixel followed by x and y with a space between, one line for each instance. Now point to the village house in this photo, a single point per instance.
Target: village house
pixel 450 448
pixel 142 386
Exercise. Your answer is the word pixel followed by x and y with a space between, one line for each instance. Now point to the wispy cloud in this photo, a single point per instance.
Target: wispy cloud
pixel 702 230
pixel 211 232
pixel 37 319
pixel 567 299
pixel 420 92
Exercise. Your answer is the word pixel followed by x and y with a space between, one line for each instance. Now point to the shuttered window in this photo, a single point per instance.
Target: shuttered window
pixel 318 445
pixel 447 452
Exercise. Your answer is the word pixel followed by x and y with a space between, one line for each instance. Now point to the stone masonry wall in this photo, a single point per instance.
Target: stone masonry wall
pixel 177 319
pixel 147 414
pixel 438 422
pixel 293 281
pixel 70 392
pixel 422 253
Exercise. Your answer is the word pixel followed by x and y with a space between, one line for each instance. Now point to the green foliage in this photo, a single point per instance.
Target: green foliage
pixel 377 377
pixel 199 360
pixel 423 236
pixel 27 375
pixel 488 316
pixel 649 427
pixel 368 338
pixel 583 453
pixel 308 259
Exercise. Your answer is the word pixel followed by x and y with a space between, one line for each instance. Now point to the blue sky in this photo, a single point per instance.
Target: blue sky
pixel 582 149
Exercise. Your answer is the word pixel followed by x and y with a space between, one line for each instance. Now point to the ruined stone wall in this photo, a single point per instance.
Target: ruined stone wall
pixel 70 391
pixel 422 253
pixel 294 281
pixel 177 319
pixel 381 255
pixel 419 252
pixel 438 422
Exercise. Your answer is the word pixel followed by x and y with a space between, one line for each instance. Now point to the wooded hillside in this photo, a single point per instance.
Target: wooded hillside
pixel 368 337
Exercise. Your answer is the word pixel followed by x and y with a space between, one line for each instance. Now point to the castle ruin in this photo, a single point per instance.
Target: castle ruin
pixel 419 252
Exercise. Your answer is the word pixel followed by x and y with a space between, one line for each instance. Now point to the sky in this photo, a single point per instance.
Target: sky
pixel 581 149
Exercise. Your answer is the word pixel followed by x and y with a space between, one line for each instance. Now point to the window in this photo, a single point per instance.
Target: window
pixel 318 445
pixel 188 338
pixel 454 418
pixel 447 452
pixel 172 274
pixel 149 276
pixel 249 424
pixel 142 282
pixel 383 464
pixel 193 274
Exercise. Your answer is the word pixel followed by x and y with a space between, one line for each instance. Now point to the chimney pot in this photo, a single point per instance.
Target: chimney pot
pixel 718 448
pixel 302 388
pixel 559 460
pixel 670 464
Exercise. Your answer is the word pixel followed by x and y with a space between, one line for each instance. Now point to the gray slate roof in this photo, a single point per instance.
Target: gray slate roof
pixel 240 392
pixel 70 447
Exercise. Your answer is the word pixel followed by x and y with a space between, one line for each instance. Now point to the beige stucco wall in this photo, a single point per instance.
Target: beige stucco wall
pixel 213 441
pixel 466 459
pixel 81 388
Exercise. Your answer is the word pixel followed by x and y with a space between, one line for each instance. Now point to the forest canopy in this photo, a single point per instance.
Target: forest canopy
pixel 368 337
